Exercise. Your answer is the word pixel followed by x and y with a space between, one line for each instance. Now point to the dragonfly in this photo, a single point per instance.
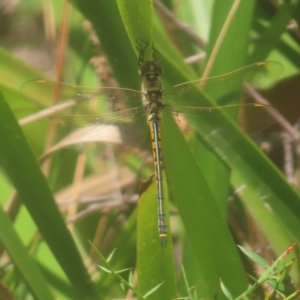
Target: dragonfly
pixel 111 115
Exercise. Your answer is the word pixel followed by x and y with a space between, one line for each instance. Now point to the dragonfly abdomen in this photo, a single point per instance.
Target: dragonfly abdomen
pixel 154 121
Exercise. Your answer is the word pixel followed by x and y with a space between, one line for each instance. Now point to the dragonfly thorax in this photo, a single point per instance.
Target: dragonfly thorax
pixel 151 85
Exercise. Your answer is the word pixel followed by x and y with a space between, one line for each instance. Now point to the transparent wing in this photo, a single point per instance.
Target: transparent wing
pixel 48 92
pixel 102 114
pixel 209 104
pixel 91 114
pixel 225 89
pixel 218 126
pixel 102 119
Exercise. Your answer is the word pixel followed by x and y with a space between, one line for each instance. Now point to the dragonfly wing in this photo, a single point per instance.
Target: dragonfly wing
pixel 90 114
pixel 119 128
pixel 225 89
pixel 222 122
pixel 214 105
pixel 50 92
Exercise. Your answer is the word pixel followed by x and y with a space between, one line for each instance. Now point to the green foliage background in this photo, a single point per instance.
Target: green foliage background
pixel 56 264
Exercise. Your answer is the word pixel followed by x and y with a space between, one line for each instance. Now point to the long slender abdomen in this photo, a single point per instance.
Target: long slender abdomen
pixel 155 125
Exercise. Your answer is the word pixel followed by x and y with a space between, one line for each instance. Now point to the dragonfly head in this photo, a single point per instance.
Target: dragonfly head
pixel 151 69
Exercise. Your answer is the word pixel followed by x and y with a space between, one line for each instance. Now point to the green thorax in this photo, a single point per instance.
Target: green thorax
pixel 151 85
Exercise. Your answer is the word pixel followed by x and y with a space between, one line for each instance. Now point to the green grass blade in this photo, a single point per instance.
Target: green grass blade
pixel 244 153
pixel 107 22
pixel 232 53
pixel 25 264
pixel 206 227
pixel 273 33
pixel 14 72
pixel 262 209
pixel 24 171
pixel 155 263
pixel 137 16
